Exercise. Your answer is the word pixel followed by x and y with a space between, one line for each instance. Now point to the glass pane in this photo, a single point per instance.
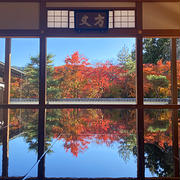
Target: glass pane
pixel 157 71
pixel 23 145
pixel 95 69
pixel 2 63
pixel 91 143
pixel 158 143
pixel 25 71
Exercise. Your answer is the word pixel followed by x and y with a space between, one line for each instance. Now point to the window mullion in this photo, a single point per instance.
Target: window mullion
pixel 140 110
pixel 139 94
pixel 174 92
pixel 6 100
pixel 42 92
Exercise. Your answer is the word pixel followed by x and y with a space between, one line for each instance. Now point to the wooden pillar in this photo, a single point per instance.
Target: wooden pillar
pixel 6 100
pixel 139 94
pixel 174 93
pixel 140 111
pixel 42 110
pixel 42 91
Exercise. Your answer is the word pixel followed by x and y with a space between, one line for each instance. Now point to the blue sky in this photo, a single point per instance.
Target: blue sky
pixel 95 49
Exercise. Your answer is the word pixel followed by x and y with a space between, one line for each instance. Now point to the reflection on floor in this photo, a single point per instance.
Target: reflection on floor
pixel 89 143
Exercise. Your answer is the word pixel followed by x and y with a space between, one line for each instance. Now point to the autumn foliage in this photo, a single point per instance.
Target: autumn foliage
pixel 78 78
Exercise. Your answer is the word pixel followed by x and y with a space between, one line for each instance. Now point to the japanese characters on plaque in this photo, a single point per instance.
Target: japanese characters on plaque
pixel 93 20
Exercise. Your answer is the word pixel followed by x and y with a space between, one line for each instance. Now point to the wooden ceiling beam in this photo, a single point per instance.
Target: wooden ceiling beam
pixel 91 1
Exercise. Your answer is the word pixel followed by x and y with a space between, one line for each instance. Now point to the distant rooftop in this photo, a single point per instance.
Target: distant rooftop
pixel 14 71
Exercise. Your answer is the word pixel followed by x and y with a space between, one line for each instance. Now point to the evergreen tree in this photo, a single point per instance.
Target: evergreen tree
pixel 53 91
pixel 31 84
pixel 123 55
pixel 155 49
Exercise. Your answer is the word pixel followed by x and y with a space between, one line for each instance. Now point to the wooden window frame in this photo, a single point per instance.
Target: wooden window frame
pixel 43 33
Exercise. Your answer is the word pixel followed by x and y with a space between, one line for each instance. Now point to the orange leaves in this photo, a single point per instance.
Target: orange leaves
pixel 72 76
pixel 16 85
pixel 157 79
pixel 76 59
pixel 178 72
pixel 80 79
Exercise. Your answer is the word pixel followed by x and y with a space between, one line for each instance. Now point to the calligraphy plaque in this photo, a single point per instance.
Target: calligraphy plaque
pixel 91 20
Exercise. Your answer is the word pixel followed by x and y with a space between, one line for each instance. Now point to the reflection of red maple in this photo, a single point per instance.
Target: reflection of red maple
pixel 82 127
pixel 159 135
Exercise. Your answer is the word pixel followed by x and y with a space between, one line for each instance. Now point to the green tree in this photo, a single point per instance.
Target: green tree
pixel 31 84
pixel 127 60
pixel 155 49
pixel 53 90
pixel 123 55
pixel 30 127
pixel 178 49
pixel 158 160
pixel 128 64
pixel 157 85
